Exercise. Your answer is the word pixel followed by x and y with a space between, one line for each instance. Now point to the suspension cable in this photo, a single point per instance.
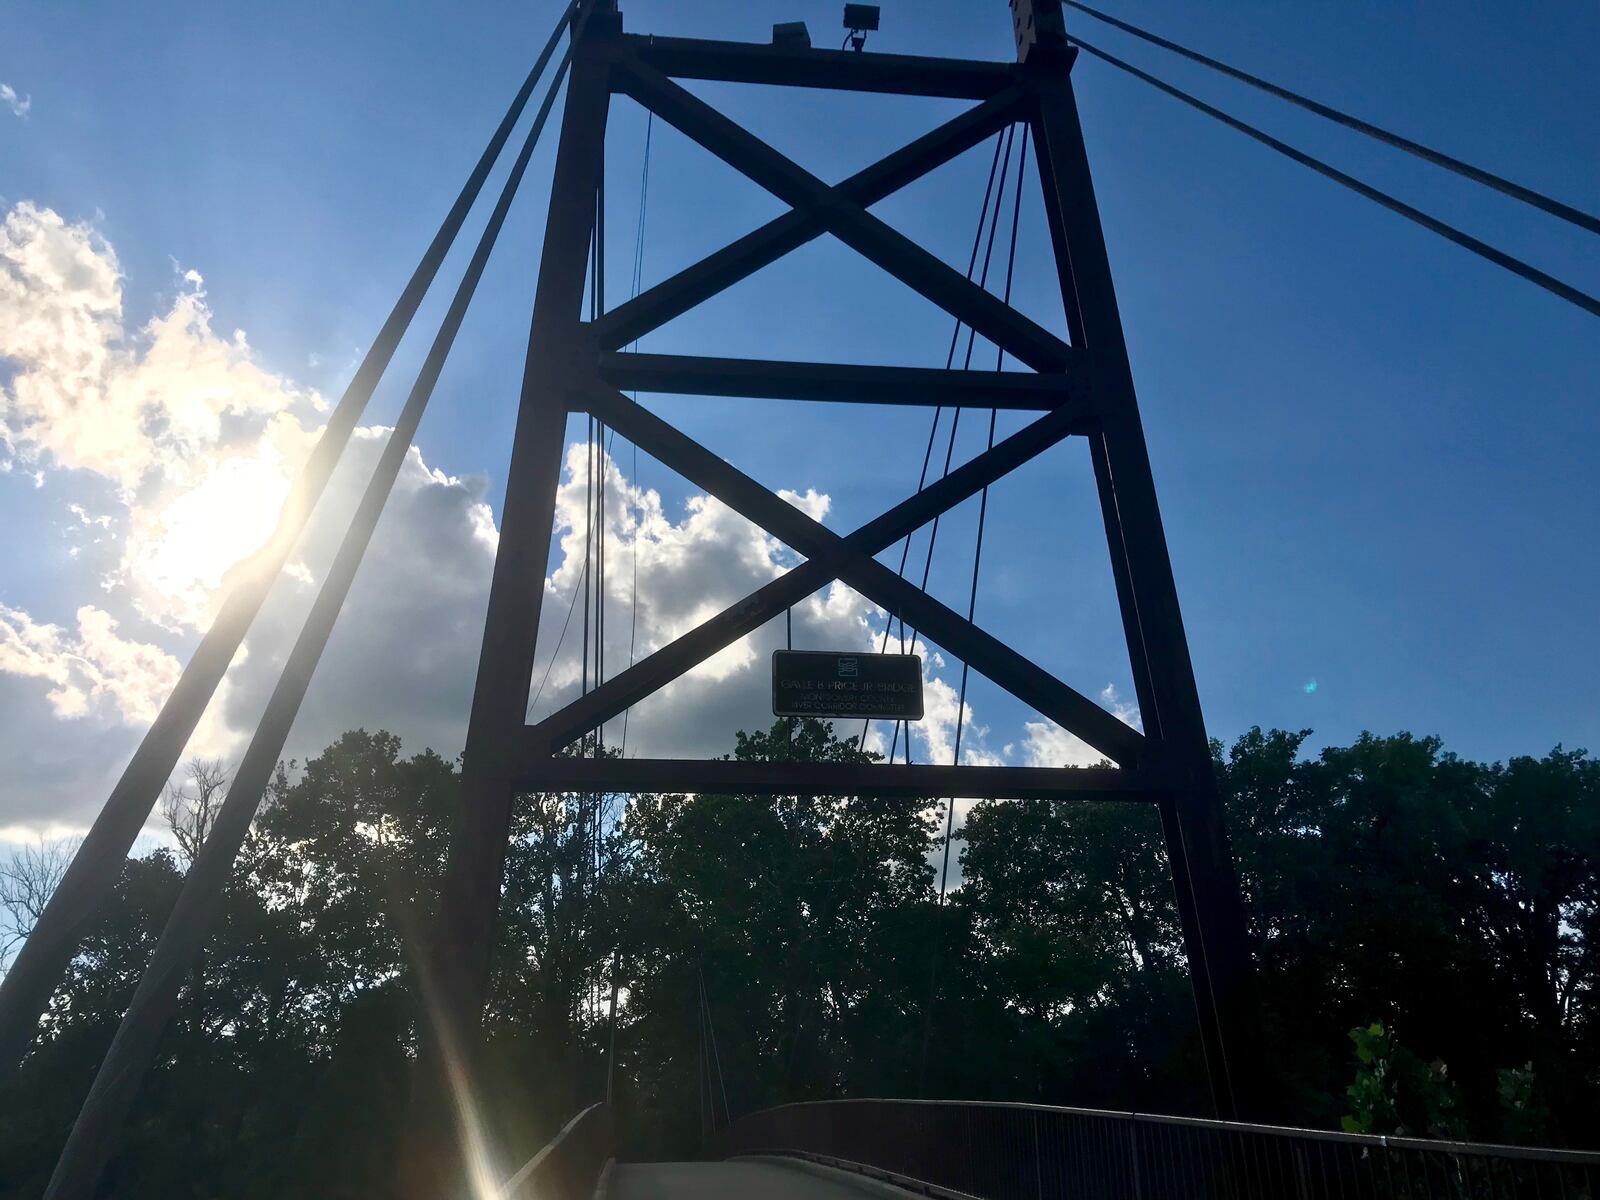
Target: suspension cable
pixel 716 1054
pixel 581 585
pixel 955 417
pixel 600 479
pixel 933 428
pixel 1516 191
pixel 972 609
pixel 572 607
pixel 26 987
pixel 137 1040
pixel 983 497
pixel 588 540
pixel 1481 248
pixel 635 285
pixel 636 277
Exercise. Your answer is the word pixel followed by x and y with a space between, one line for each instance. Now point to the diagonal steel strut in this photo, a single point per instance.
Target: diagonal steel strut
pixel 658 669
pixel 744 257
pixel 846 220
pixel 1026 680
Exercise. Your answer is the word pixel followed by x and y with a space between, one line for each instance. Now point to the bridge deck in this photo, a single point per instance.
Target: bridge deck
pixel 752 1178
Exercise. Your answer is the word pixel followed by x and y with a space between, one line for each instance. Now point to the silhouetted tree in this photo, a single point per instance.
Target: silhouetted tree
pixel 1445 911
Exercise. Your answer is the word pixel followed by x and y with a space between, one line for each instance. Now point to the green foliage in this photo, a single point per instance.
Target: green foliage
pixel 1524 1116
pixel 1388 886
pixel 1396 1092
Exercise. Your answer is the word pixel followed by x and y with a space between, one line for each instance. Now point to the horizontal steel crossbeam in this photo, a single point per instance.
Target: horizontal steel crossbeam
pixel 841 70
pixel 766 379
pixel 658 669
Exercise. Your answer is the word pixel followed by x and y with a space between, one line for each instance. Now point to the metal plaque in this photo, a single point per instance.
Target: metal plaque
pixel 813 683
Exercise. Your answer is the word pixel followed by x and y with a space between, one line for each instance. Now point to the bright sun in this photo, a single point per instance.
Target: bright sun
pixel 211 526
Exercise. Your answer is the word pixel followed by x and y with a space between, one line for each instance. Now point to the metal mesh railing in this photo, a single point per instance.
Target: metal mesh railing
pixel 1036 1152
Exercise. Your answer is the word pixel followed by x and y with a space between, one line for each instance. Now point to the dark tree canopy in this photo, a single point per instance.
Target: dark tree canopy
pixel 1441 911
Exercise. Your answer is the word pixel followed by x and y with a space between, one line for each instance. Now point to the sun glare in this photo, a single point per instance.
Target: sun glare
pixel 215 524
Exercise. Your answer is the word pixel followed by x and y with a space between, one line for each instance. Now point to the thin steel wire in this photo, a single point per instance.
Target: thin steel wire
pixel 1482 249
pixel 634 286
pixel 137 1040
pixel 1507 187
pixel 933 428
pixel 950 804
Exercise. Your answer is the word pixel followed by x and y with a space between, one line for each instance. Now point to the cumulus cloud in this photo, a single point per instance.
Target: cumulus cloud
pixel 689 566
pixel 173 448
pixel 19 105
pixel 1048 745
pixel 92 667
pixel 196 437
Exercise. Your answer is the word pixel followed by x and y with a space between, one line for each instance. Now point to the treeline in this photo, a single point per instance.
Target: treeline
pixel 1442 911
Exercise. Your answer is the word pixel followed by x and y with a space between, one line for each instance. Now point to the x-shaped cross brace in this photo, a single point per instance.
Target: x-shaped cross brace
pixel 742 258
pixel 830 556
pixel 837 210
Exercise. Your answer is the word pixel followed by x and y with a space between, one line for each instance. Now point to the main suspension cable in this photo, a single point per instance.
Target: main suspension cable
pixel 1516 191
pixel 1481 248
pixel 138 1037
pixel 27 985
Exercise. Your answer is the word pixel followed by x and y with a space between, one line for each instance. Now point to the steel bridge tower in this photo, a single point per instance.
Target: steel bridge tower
pixel 1081 387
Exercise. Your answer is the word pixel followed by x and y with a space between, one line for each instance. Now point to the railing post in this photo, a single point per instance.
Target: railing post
pixel 1038 1168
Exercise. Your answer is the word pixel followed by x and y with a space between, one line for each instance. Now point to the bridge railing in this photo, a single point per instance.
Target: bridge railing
pixel 1037 1152
pixel 569 1167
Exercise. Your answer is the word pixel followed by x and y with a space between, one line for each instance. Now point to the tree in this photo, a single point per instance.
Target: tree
pixel 190 808
pixel 1444 909
pixel 28 878
pixel 806 916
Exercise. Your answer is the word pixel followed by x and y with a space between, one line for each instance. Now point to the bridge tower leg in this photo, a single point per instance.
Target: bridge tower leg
pixel 453 974
pixel 1083 388
pixel 1205 884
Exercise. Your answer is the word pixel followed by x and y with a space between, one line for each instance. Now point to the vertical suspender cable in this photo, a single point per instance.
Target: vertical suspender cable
pixel 600 450
pixel 788 722
pixel 933 428
pixel 955 419
pixel 983 498
pixel 26 987
pixel 716 1054
pixel 588 557
pixel 638 278
pixel 972 608
pixel 94 1134
pixel 703 1083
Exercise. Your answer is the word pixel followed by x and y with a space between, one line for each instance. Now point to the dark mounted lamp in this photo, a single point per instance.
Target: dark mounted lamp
pixel 860 20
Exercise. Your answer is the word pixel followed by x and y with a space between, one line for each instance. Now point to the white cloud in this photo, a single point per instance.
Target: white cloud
pixel 173 447
pixel 197 438
pixel 689 568
pixel 1048 745
pixel 19 105
pixel 91 669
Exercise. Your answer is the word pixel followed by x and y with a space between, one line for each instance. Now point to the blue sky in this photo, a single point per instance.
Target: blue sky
pixel 1375 453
